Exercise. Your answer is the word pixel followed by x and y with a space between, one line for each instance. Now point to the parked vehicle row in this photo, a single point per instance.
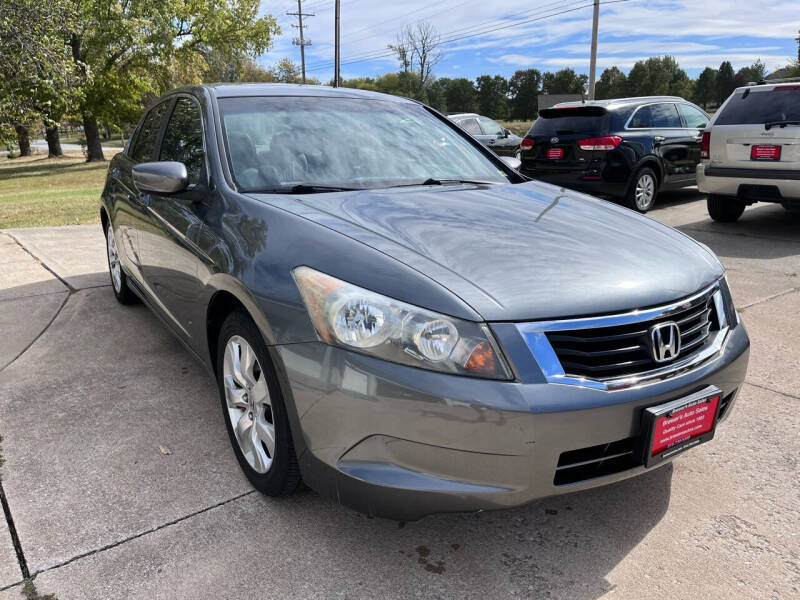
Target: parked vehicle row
pixel 430 333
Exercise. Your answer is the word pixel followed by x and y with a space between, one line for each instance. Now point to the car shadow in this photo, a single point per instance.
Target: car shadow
pixel 559 547
pixel 764 231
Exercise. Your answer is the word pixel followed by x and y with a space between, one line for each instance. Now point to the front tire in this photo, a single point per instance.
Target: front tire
pixel 643 190
pixel 724 209
pixel 253 408
pixel 119 280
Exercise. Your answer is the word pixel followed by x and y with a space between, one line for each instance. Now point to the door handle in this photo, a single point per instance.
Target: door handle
pixel 659 138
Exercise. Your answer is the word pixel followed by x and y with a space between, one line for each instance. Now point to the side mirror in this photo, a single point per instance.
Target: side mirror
pixel 165 177
pixel 506 133
pixel 512 162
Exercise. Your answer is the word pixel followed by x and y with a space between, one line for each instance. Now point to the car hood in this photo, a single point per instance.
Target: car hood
pixel 521 252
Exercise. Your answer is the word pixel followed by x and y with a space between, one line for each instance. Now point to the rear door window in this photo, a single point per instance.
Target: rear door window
pixel 665 115
pixel 642 119
pixel 576 119
pixel 761 105
pixel 490 127
pixel 183 139
pixel 470 126
pixel 145 144
pixel 693 117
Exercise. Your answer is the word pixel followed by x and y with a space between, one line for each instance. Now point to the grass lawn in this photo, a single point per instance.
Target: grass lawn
pixel 39 191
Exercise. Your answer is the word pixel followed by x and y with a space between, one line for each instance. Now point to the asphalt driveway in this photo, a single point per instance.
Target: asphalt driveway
pixel 120 482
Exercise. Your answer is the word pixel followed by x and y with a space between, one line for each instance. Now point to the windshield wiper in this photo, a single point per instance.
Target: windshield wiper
pixel 781 124
pixel 435 181
pixel 308 188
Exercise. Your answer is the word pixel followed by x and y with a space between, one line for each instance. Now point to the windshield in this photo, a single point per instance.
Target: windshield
pixel 757 106
pixel 277 143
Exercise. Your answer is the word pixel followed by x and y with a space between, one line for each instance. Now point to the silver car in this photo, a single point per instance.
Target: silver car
pixel 428 333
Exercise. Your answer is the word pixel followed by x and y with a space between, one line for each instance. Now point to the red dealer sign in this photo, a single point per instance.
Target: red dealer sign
pixel 683 425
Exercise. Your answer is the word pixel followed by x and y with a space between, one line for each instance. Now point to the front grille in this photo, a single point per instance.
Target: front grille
pixel 595 461
pixel 623 350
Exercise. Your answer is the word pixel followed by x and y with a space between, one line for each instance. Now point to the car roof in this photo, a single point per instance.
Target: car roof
pixel 234 90
pixel 613 103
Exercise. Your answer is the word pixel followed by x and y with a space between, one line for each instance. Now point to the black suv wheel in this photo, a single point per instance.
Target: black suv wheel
pixel 643 190
pixel 724 209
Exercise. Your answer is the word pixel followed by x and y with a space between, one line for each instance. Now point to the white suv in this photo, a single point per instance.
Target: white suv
pixel 750 151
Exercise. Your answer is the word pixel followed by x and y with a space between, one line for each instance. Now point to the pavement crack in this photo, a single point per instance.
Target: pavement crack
pixel 774 391
pixel 71 289
pixel 23 564
pixel 140 534
pixel 41 333
pixel 768 298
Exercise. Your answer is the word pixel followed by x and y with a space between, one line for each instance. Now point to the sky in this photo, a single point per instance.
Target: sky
pixel 499 37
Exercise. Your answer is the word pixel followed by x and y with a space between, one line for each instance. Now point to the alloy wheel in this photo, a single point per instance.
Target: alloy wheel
pixel 248 402
pixel 113 259
pixel 645 191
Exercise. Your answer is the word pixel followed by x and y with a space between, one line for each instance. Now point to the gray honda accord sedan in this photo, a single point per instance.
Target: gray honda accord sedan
pixel 402 321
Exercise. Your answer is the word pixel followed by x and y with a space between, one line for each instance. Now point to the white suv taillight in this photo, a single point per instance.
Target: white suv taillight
pixel 705 146
pixel 608 142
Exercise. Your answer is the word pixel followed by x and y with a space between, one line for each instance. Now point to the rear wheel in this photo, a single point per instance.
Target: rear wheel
pixel 253 407
pixel 643 191
pixel 724 209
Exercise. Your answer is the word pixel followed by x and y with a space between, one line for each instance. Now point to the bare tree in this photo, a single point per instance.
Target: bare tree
pixel 417 50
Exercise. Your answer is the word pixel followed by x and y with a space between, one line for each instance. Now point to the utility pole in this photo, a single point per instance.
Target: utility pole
pixel 593 59
pixel 300 40
pixel 336 56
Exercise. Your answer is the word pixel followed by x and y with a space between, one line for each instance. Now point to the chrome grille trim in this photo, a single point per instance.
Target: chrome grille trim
pixel 535 335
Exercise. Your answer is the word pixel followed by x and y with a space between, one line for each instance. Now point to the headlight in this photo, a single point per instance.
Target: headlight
pixel 355 318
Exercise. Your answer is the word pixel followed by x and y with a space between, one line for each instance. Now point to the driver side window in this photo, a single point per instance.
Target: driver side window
pixel 183 139
pixel 145 143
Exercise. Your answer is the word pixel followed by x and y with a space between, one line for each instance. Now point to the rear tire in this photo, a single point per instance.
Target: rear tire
pixel 724 209
pixel 643 190
pixel 253 408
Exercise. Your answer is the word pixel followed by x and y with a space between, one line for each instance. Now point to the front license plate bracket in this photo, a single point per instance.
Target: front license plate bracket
pixel 674 427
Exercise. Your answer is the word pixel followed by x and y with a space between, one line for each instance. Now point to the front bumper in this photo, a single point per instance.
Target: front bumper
pixel 399 442
pixel 746 183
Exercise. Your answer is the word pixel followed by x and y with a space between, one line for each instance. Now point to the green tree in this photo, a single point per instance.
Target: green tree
pixel 755 72
pixel 125 49
pixel 461 96
pixel 705 88
pixel 612 84
pixel 565 81
pixel 524 88
pixel 659 76
pixel 436 94
pixel 36 74
pixel 492 96
pixel 725 82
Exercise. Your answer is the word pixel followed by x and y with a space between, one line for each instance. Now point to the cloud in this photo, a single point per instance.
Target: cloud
pixel 697 33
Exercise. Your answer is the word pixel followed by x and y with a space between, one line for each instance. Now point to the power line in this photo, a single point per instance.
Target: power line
pixel 450 37
pixel 546 8
pixel 461 33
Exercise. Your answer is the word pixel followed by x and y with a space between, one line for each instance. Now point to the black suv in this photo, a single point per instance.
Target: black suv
pixel 626 148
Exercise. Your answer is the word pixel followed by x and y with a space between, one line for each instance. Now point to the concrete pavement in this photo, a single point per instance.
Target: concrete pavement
pixel 121 483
